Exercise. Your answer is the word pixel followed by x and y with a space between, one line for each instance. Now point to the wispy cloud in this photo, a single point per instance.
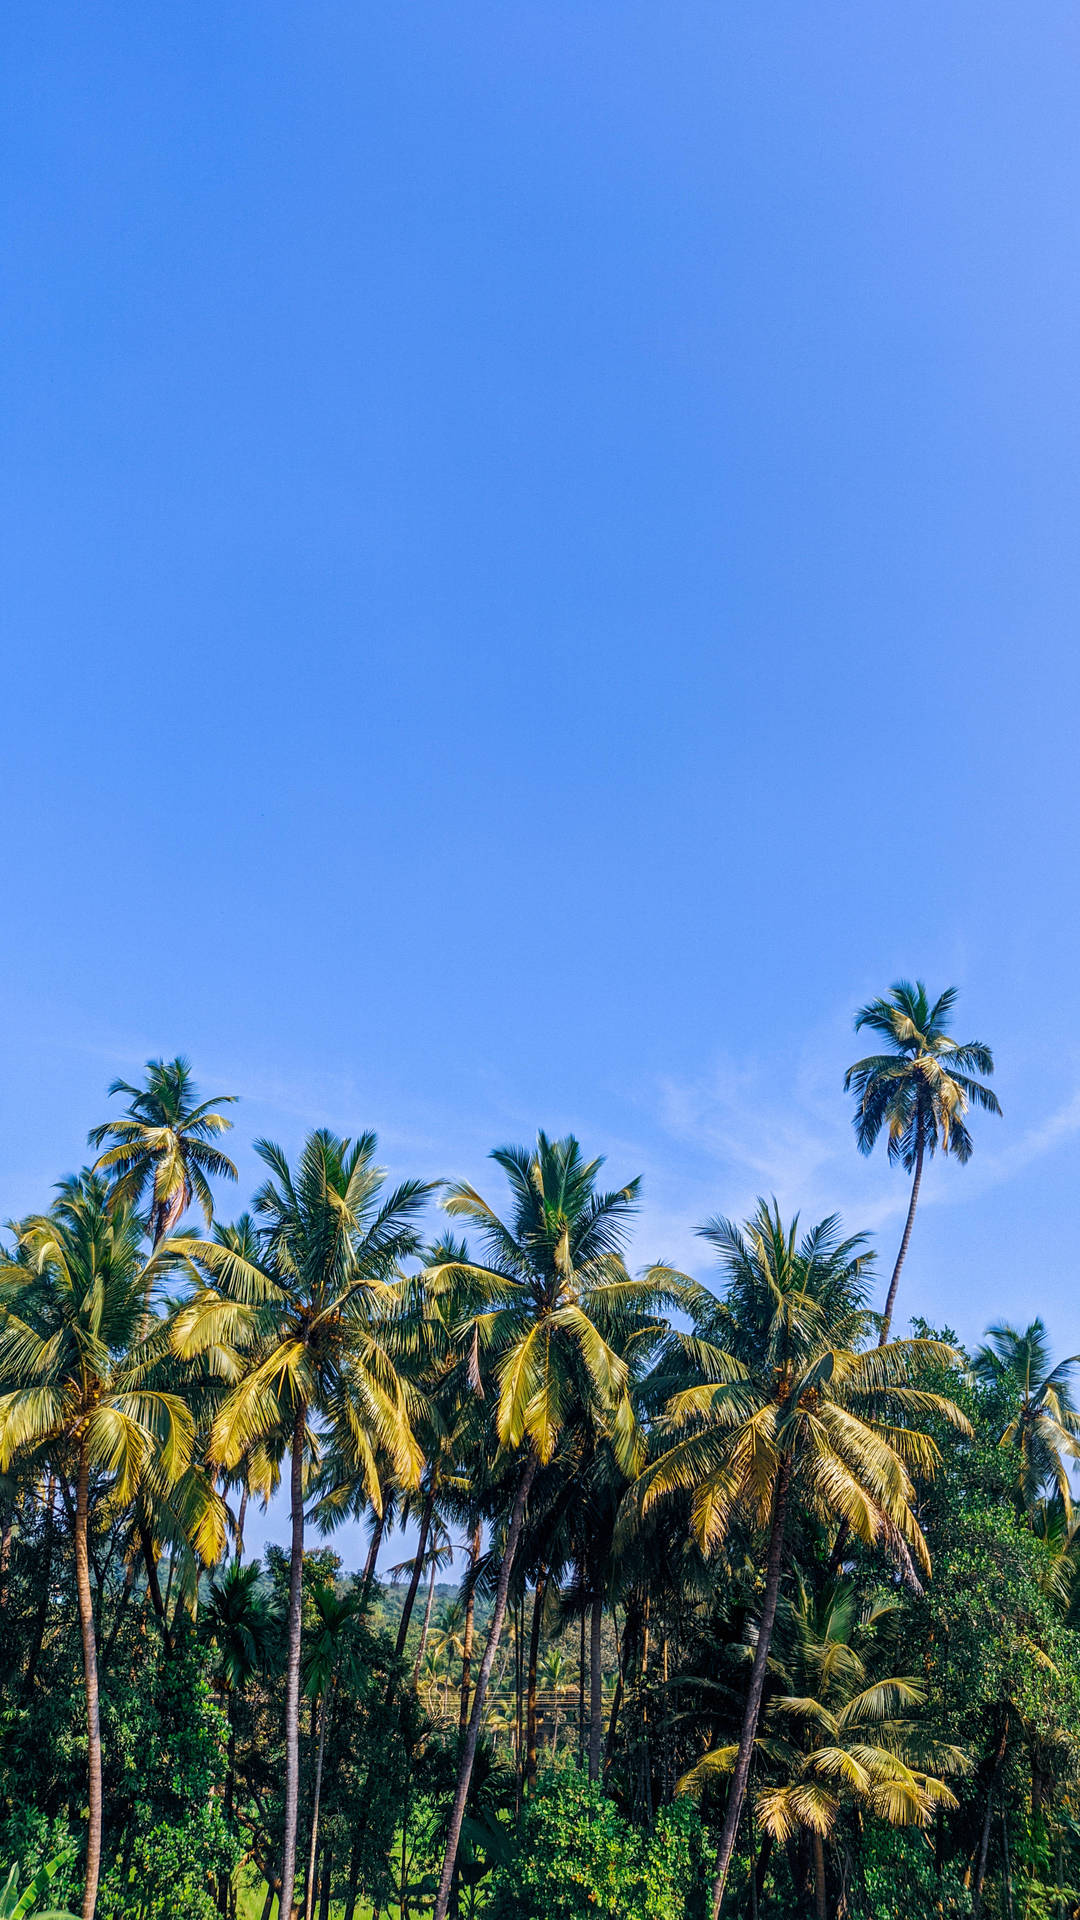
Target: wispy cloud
pixel 746 1129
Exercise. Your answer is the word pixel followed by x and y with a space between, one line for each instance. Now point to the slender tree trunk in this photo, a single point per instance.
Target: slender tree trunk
pixel 271 1892
pixel 153 1585
pixel 240 1518
pixel 414 1578
pixel 596 1689
pixel 519 1623
pixel 354 1880
pixel 286 1900
pixel 325 1709
pixel 890 1298
pixel 581 1690
pixel 371 1562
pixel 327 1872
pixel 90 1677
pixel 984 1837
pixel 819 1876
pixel 472 1735
pixel 737 1790
pixel 5 1558
pixel 426 1624
pixel 762 1867
pixel 531 1719
pixel 467 1644
pixel 616 1704
pixel 43 1600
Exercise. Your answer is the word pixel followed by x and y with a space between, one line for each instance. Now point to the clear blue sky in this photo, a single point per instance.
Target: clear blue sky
pixel 540 568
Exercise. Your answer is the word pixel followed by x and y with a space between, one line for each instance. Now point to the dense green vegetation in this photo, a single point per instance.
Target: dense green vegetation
pixel 762 1609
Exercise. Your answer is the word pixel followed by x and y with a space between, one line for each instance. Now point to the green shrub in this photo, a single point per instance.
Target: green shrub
pixel 574 1854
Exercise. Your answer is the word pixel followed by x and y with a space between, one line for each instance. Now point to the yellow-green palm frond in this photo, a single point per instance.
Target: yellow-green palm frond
pixel 240 1278
pixel 30 1416
pixel 712 1767
pixel 882 1701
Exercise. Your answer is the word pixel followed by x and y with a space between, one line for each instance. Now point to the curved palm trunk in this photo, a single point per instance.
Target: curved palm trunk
pixel 890 1298
pixel 467 1642
pixel 325 1709
pixel 819 1875
pixel 531 1717
pixel 42 1619
pixel 286 1901
pixel 426 1627
pixel 371 1562
pixel 414 1578
pixel 472 1735
pixel 596 1689
pixel 90 1679
pixel 737 1790
pixel 240 1518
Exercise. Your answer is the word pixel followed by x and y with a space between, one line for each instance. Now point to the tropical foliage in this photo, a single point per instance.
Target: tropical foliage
pixel 682 1593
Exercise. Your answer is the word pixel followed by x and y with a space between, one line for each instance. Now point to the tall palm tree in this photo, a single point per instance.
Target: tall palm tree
pixel 791 1415
pixel 294 1310
pixel 331 1655
pixel 163 1147
pixel 1043 1427
pixel 239 1622
pixel 557 1294
pixel 841 1730
pixel 80 1392
pixel 919 1091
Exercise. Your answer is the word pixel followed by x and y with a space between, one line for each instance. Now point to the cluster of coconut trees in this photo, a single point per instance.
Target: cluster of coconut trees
pixel 586 1430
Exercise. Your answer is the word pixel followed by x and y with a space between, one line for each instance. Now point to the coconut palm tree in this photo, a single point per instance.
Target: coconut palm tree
pixel 80 1392
pixel 239 1623
pixel 331 1655
pixel 162 1149
pixel 556 1294
pixel 791 1415
pixel 1043 1426
pixel 293 1310
pixel 920 1091
pixel 841 1730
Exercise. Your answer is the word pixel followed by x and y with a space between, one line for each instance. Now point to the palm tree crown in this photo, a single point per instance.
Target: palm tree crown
pixel 163 1147
pixel 788 1413
pixel 919 1091
pixel 1043 1427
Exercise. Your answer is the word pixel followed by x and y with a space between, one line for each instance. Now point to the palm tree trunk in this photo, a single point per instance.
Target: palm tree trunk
pixel 5 1558
pixel 890 1298
pixel 737 1790
pixel 596 1689
pixel 467 1643
pixel 90 1679
pixel 325 1708
pixel 472 1735
pixel 414 1578
pixel 354 1880
pixel 240 1518
pixel 371 1562
pixel 628 1635
pixel 426 1624
pixel 534 1657
pixel 42 1619
pixel 153 1585
pixel 286 1900
pixel 581 1689
pixel 819 1875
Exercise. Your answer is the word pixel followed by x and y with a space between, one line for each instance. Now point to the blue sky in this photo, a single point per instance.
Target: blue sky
pixel 540 569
